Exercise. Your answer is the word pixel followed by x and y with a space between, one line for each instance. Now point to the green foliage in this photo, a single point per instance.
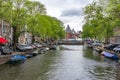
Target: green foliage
pixel 100 21
pixel 21 13
pixel 45 26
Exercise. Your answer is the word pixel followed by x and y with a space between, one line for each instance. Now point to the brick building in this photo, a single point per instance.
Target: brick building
pixel 71 33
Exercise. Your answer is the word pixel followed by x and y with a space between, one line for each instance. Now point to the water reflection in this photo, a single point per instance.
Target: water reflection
pixel 89 53
pixel 74 63
pixel 108 70
pixel 103 73
pixel 33 69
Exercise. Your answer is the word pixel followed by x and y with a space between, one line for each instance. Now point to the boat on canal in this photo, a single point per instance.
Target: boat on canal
pixel 110 55
pixel 17 58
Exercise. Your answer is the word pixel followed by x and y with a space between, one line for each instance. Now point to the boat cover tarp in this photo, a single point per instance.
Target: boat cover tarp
pixel 110 55
pixel 107 54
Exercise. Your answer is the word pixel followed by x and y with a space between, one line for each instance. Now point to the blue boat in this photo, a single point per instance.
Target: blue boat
pixel 17 58
pixel 110 55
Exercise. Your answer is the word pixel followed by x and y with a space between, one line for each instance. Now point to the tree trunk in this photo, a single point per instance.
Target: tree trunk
pixel 33 38
pixel 15 37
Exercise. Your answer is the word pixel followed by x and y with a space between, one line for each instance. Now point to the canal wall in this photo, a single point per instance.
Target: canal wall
pixel 4 59
pixel 71 43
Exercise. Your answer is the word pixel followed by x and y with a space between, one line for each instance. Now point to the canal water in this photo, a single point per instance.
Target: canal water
pixel 73 62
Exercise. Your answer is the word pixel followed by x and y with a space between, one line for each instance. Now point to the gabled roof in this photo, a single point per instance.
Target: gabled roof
pixel 74 32
pixel 68 29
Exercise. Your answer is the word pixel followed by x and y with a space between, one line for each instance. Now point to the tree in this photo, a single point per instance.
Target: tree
pixel 21 13
pixel 17 13
pixel 93 16
pixel 46 27
pixel 98 22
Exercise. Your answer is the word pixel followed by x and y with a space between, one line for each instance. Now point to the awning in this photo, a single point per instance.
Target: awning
pixel 3 40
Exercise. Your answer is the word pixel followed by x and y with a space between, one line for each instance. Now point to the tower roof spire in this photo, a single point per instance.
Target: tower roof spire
pixel 68 29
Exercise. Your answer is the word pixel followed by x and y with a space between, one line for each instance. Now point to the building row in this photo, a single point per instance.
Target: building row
pixel 72 34
pixel 6 31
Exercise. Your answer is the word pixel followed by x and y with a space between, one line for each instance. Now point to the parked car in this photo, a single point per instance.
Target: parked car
pixel 37 45
pixel 5 50
pixel 111 46
pixel 24 47
pixel 28 47
pixel 44 44
pixel 117 49
pixel 21 48
pixel 96 44
pixel 33 46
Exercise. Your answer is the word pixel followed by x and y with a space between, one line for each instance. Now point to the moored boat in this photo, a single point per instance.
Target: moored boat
pixel 110 55
pixel 17 58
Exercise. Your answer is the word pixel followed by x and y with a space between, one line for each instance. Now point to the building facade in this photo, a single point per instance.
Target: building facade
pixel 6 31
pixel 71 33
pixel 25 37
pixel 116 36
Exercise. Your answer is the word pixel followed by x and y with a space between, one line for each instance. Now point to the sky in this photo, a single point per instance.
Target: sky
pixel 70 12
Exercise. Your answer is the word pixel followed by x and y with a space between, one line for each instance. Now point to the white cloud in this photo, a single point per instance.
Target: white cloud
pixel 72 12
pixel 68 11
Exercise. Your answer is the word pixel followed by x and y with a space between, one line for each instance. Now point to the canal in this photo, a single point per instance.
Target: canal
pixel 75 62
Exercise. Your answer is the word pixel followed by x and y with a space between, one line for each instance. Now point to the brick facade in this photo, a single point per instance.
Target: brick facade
pixel 71 33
